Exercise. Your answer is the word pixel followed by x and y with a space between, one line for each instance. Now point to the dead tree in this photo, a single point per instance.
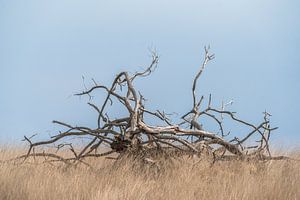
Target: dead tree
pixel 133 134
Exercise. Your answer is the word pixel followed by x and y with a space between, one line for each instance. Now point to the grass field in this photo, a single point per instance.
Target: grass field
pixel 185 179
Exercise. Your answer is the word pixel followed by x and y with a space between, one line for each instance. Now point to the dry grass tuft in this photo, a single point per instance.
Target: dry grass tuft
pixel 185 179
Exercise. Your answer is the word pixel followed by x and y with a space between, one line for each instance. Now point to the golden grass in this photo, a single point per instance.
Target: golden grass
pixel 183 180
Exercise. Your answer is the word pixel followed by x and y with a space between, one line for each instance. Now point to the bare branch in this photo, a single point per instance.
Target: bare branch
pixel 130 134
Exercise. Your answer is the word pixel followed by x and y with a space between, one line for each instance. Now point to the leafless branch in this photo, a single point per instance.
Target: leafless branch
pixel 132 134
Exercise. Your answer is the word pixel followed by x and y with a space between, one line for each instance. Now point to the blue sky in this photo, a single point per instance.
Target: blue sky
pixel 47 46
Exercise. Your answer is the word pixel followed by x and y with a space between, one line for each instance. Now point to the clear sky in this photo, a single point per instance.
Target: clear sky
pixel 47 46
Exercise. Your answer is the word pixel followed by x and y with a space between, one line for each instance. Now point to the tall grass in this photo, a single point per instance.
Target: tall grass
pixel 185 179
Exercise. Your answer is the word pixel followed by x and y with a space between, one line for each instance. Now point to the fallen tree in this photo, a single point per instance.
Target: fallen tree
pixel 133 135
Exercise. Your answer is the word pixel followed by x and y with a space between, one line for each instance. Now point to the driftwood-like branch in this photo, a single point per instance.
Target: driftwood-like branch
pixel 133 134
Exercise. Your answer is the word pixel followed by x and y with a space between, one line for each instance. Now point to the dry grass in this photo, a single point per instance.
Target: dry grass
pixel 183 180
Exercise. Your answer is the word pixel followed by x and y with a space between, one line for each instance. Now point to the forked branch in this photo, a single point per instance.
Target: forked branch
pixel 133 133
